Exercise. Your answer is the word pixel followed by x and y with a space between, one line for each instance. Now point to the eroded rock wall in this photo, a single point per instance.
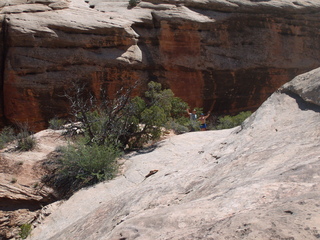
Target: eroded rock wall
pixel 227 58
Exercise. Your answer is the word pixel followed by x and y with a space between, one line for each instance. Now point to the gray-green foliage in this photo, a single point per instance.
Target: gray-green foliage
pixel 56 123
pixel 177 127
pixel 25 230
pixel 133 3
pixel 26 141
pixel 81 164
pixel 129 122
pixel 232 121
pixel 6 135
pixel 151 113
pixel 90 163
pixel 108 128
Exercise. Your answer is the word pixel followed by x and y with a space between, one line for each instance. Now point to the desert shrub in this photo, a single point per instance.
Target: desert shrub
pixel 56 123
pixel 176 127
pixel 25 230
pixel 149 114
pixel 110 126
pixel 6 135
pixel 25 141
pixel 91 163
pixel 80 165
pixel 125 121
pixel 232 121
pixel 133 3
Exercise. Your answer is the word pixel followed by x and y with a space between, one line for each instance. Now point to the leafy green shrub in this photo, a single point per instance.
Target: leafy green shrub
pixel 150 114
pixel 125 121
pixel 108 127
pixel 6 135
pixel 232 121
pixel 26 141
pixel 81 165
pixel 90 162
pixel 25 230
pixel 56 123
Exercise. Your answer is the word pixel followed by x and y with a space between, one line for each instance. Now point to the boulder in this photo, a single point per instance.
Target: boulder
pixel 256 181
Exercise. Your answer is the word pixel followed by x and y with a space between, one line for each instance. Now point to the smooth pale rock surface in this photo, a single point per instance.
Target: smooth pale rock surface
pixel 260 180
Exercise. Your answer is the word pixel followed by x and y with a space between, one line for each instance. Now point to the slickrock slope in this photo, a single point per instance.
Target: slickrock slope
pixel 223 55
pixel 260 180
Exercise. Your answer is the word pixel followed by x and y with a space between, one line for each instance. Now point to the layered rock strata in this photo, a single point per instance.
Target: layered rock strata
pixel 225 56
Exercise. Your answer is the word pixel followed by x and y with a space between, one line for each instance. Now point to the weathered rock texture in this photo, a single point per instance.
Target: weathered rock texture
pixel 225 56
pixel 22 194
pixel 260 180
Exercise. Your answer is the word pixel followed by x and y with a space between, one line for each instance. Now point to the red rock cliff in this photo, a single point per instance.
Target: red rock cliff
pixel 220 56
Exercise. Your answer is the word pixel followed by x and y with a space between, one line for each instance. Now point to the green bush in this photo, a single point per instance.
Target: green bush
pixel 128 122
pixel 25 230
pixel 92 163
pixel 109 126
pixel 56 123
pixel 81 165
pixel 153 112
pixel 6 135
pixel 26 141
pixel 232 121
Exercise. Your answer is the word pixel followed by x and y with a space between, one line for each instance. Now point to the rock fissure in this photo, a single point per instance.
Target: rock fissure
pixel 8 204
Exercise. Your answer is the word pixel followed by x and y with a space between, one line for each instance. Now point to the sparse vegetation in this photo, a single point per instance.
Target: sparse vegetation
pixel 232 121
pixel 85 164
pixel 109 127
pixel 133 3
pixel 6 135
pixel 126 122
pixel 177 127
pixel 25 141
pixel 25 230
pixel 56 123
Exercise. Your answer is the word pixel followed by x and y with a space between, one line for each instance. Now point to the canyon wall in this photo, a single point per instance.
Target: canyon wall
pixel 224 56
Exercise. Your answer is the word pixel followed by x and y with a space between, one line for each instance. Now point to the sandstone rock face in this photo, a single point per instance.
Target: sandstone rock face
pixel 256 181
pixel 225 56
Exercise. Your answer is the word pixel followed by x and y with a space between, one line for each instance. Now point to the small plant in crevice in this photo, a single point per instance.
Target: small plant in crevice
pixel 25 230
